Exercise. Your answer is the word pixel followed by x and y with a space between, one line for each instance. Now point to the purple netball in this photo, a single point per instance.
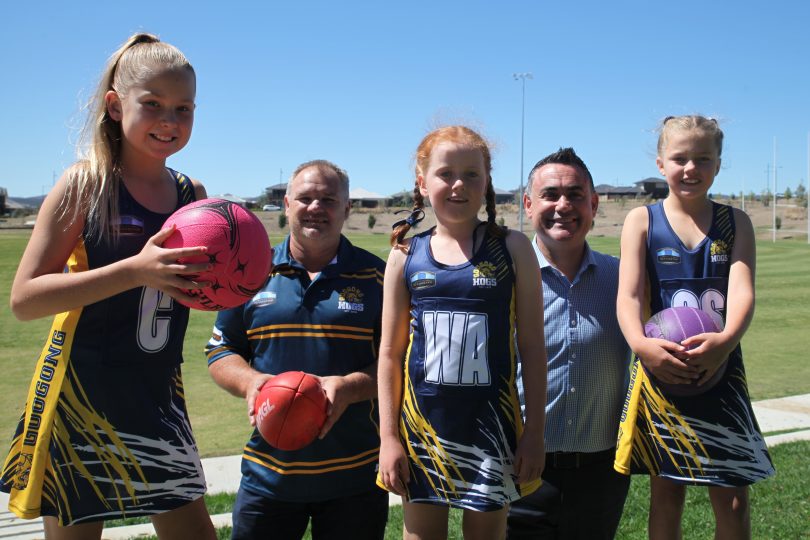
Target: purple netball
pixel 676 324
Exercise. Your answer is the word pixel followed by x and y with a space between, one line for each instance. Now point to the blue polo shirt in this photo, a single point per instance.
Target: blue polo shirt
pixel 326 326
pixel 588 358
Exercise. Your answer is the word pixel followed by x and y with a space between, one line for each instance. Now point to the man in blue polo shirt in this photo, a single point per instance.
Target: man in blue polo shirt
pixel 319 313
pixel 582 497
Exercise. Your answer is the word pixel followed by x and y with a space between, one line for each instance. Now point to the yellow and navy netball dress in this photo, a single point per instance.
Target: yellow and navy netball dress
pixel 711 438
pixel 461 418
pixel 105 432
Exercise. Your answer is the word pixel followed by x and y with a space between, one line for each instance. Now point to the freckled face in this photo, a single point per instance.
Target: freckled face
pixel 455 181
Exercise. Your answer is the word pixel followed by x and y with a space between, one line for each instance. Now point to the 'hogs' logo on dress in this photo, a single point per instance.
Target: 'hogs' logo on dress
pixel 668 255
pixel 351 299
pixel 484 275
pixel 719 252
pixel 423 280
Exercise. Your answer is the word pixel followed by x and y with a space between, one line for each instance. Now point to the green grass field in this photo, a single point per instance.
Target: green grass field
pixel 775 348
pixel 780 505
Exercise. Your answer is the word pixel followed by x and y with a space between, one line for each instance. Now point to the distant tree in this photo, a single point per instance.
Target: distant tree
pixel 778 222
pixel 402 199
pixel 371 221
pixel 801 192
pixel 766 197
pixel 282 220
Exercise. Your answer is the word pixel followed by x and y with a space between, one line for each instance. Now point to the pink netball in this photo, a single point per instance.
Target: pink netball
pixel 238 249
pixel 676 324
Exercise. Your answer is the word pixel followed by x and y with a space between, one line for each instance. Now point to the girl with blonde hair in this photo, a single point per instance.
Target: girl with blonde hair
pixel 105 433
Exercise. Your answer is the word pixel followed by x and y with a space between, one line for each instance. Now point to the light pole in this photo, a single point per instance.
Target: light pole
pixel 522 78
pixel 773 202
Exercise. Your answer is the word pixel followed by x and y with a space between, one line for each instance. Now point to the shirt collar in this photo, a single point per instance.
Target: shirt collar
pixel 282 256
pixel 588 258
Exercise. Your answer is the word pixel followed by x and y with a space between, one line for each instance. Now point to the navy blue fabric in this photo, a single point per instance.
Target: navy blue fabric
pixel 326 326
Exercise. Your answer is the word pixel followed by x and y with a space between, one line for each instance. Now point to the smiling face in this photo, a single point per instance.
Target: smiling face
pixel 156 114
pixel 455 181
pixel 689 161
pixel 316 205
pixel 561 204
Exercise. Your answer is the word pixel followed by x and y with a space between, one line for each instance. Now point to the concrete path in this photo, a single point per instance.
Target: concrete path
pixel 791 414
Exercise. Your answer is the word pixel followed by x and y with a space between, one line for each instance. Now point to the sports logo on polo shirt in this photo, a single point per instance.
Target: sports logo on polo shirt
pixel 423 280
pixel 216 337
pixel 668 255
pixel 264 298
pixel 484 275
pixel 350 299
pixel 719 252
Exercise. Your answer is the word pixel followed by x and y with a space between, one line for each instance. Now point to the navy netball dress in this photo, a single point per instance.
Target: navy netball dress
pixel 711 438
pixel 105 432
pixel 461 416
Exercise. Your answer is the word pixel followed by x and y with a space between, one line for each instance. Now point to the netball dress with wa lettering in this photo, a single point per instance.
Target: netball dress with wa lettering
pixel 711 438
pixel 461 418
pixel 105 433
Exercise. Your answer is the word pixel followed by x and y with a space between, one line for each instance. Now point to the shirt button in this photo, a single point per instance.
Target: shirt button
pixel 570 422
pixel 573 355
pixel 573 390
pixel 573 322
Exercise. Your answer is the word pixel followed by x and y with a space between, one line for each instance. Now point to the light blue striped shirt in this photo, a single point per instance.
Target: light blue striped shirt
pixel 588 359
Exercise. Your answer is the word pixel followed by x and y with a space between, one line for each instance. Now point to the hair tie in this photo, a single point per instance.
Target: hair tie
pixel 413 219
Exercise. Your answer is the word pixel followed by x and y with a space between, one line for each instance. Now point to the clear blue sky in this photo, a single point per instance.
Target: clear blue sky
pixel 360 83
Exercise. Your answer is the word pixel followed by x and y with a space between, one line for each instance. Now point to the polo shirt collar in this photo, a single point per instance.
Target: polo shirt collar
pixel 282 256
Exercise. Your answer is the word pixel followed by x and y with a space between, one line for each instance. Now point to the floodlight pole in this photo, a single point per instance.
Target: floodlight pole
pixel 773 202
pixel 522 78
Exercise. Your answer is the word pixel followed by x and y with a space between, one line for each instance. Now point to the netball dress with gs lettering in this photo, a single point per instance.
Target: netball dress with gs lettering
pixel 711 438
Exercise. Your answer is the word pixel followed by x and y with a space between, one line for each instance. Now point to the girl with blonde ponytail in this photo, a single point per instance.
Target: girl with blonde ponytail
pixel 105 433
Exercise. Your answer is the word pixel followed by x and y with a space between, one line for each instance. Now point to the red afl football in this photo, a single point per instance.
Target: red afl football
pixel 676 324
pixel 238 249
pixel 291 410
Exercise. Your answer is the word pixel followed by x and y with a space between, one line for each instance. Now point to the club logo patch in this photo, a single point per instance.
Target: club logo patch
pixel 129 226
pixel 484 275
pixel 719 252
pixel 264 298
pixel 668 255
pixel 350 300
pixel 423 280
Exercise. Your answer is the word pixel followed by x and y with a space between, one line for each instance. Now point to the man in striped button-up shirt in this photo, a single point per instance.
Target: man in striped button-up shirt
pixel 588 360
